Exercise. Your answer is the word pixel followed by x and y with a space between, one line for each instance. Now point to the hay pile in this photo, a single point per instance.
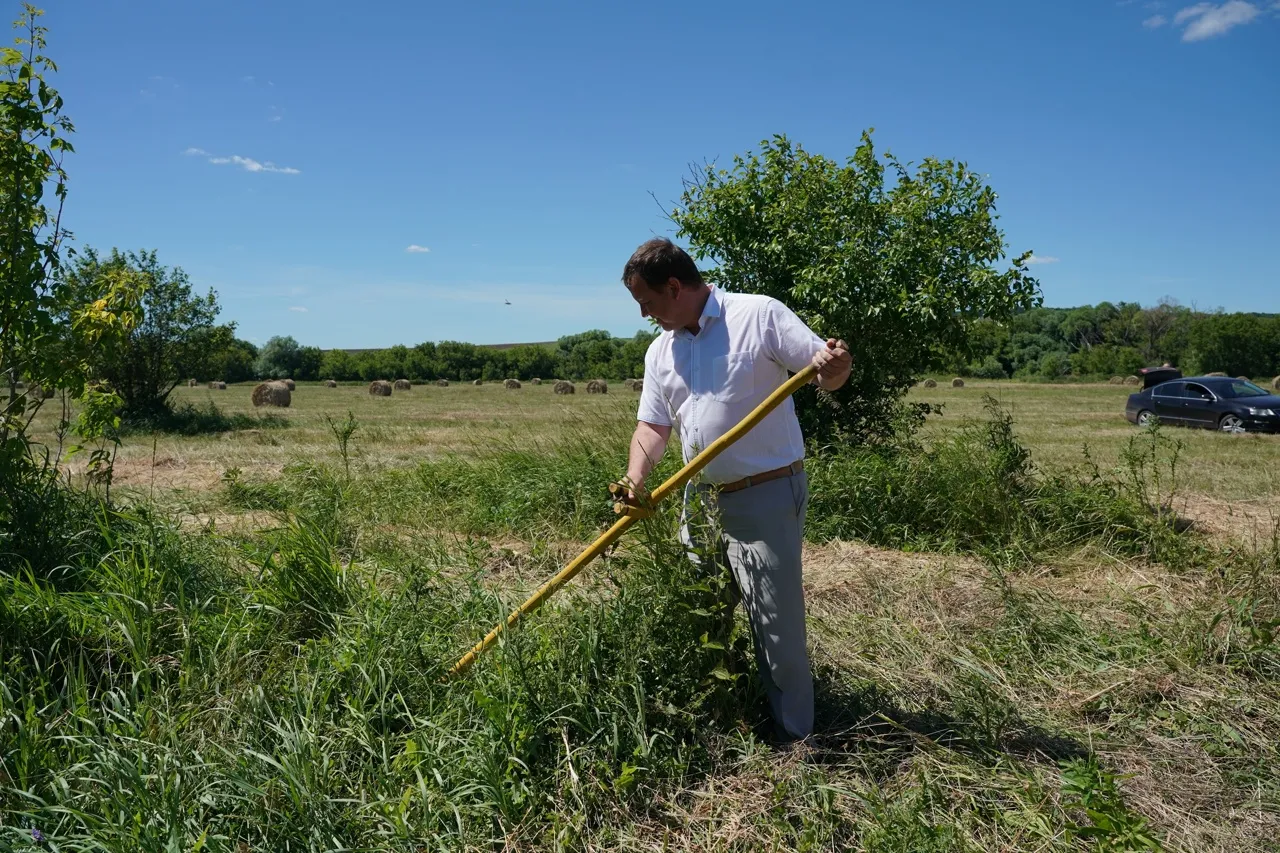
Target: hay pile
pixel 478 383
pixel 1275 383
pixel 535 381
pixel 272 394
pixel 222 386
pixel 329 383
pixel 930 383
pixel 290 384
pixel 511 384
pixel 403 385
pixel 379 388
pixel 39 392
pixel 1216 373
pixel 597 386
pixel 191 383
pixel 443 383
pixel 1243 378
pixel 1132 380
pixel 20 385
pixel 957 382
pixel 215 385
pixel 1116 380
pixel 563 387
pixel 634 384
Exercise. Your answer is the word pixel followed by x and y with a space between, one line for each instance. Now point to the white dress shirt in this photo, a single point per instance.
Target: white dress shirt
pixel 704 384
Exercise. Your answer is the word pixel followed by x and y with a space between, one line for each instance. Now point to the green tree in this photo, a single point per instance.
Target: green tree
pixel 168 344
pixel 900 269
pixel 309 362
pixel 339 364
pixel 279 358
pixel 33 142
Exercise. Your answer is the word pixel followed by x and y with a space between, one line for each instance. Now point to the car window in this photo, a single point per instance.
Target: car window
pixel 1197 392
pixel 1240 388
pixel 1168 389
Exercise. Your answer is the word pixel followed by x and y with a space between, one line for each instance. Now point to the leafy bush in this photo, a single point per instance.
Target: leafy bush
pixel 899 262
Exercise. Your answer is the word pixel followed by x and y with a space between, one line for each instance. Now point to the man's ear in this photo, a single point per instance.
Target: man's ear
pixel 674 286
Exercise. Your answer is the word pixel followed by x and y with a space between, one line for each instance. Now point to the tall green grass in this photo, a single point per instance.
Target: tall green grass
pixel 171 688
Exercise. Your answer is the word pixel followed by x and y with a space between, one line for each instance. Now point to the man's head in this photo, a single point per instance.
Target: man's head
pixel 666 284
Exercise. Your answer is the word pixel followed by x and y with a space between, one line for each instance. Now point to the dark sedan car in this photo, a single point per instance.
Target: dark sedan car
pixel 1209 402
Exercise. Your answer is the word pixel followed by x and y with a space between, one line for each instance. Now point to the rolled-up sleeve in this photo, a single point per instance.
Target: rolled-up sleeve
pixel 788 340
pixel 653 405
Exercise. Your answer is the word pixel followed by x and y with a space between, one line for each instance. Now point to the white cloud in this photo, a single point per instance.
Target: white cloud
pixel 247 163
pixel 1206 20
pixel 1042 259
pixel 298 308
pixel 416 249
pixel 1155 21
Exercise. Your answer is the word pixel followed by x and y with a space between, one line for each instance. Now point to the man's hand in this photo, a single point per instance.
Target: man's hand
pixel 833 363
pixel 630 498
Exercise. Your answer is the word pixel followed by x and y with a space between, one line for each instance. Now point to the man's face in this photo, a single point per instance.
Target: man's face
pixel 662 304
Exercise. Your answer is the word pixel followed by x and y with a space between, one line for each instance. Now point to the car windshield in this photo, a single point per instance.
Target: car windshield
pixel 1240 388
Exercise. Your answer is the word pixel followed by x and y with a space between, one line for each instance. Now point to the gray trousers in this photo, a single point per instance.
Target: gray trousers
pixel 759 531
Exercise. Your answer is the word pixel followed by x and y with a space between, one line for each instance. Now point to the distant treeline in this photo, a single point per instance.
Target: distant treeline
pixel 589 355
pixel 1116 339
pixel 1108 339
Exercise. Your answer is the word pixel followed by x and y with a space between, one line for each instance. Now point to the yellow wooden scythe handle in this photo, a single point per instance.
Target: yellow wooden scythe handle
pixel 620 526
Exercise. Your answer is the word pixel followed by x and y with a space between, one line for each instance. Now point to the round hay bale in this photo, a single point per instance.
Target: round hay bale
pixel 1132 380
pixel 443 383
pixel 563 387
pixel 511 384
pixel 290 384
pixel 931 383
pixel 1216 373
pixel 403 385
pixel 1243 378
pixel 222 386
pixel 213 385
pixel 1116 380
pixel 191 383
pixel 329 383
pixel 1275 383
pixel 635 384
pixel 20 385
pixel 39 392
pixel 478 383
pixel 597 386
pixel 957 382
pixel 272 394
pixel 379 388
pixel 535 381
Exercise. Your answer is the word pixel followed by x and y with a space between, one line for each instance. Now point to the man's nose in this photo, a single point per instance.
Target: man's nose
pixel 644 312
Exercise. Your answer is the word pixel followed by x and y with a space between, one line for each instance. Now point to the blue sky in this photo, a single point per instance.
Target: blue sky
pixel 360 175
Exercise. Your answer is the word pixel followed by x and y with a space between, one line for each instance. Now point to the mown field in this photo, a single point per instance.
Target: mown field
pixel 1017 647
pixel 1057 423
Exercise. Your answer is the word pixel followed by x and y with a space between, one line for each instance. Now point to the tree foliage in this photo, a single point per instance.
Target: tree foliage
pixel 168 344
pixel 33 187
pixel 1117 339
pixel 899 262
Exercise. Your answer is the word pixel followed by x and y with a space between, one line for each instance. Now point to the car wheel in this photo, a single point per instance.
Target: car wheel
pixel 1146 418
pixel 1231 423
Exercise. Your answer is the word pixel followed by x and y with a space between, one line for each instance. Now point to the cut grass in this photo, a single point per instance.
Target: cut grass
pixel 1055 422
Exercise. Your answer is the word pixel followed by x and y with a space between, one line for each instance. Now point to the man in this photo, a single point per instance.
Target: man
pixel 719 355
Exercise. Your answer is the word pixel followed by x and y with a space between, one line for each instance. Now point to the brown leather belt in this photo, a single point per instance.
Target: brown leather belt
pixel 763 477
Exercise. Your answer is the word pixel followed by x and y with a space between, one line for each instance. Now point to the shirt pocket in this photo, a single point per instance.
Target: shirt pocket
pixel 733 377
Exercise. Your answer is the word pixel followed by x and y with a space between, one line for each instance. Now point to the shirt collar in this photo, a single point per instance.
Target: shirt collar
pixel 711 309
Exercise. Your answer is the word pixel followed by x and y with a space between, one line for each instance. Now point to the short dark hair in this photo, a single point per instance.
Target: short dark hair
pixel 658 260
